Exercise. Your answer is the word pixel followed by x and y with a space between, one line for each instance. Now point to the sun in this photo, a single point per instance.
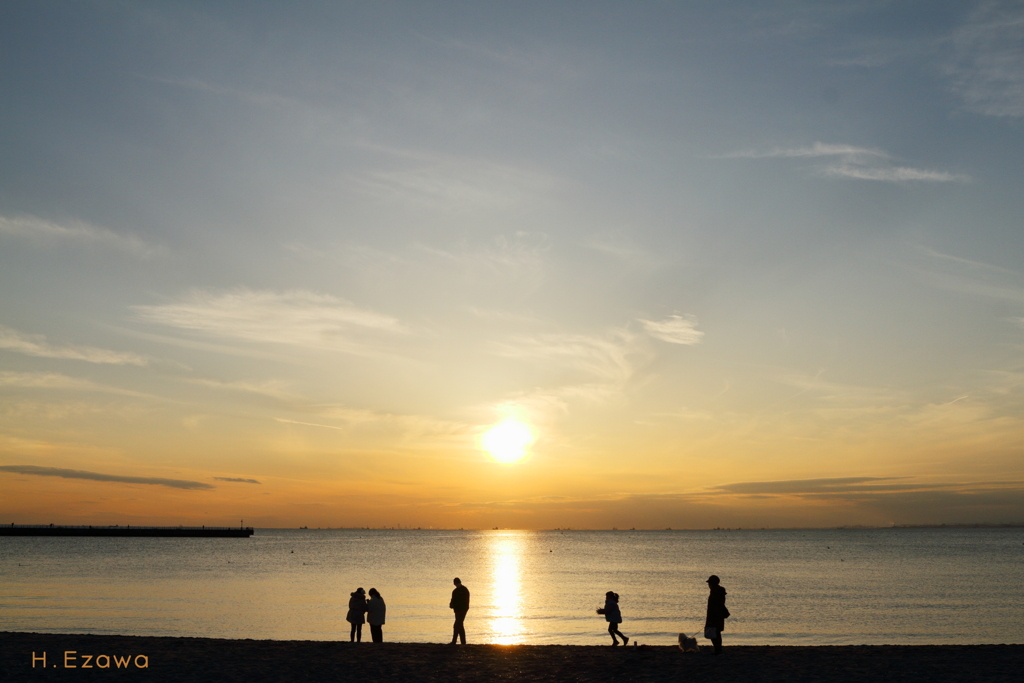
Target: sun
pixel 507 441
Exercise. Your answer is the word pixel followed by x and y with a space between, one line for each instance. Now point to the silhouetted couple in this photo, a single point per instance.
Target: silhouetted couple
pixel 460 605
pixel 373 610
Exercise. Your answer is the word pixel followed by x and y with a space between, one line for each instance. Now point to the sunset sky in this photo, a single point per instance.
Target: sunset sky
pixel 705 263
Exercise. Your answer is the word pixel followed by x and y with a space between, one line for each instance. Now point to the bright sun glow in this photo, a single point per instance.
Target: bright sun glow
pixel 507 441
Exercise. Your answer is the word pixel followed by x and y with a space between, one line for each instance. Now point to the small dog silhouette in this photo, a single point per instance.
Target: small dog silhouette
pixel 687 644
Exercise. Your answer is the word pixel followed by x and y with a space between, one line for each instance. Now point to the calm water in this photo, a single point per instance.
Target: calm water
pixel 785 587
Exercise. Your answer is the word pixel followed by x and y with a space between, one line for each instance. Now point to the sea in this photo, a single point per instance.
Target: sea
pixel 785 587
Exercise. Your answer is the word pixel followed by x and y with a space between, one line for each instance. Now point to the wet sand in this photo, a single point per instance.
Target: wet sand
pixel 226 661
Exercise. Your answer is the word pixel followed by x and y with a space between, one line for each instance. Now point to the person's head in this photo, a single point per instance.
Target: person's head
pixel 713 580
pixel 374 593
pixel 457 581
pixel 611 595
pixel 358 591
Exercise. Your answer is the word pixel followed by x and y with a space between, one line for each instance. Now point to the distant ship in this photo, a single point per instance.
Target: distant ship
pixel 132 531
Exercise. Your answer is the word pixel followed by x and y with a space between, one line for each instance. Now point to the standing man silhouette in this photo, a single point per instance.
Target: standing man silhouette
pixel 460 605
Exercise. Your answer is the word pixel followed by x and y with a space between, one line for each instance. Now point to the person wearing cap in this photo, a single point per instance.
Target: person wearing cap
pixel 460 605
pixel 714 624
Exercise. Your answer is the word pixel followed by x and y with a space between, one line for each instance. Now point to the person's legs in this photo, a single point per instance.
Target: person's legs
pixel 612 631
pixel 717 642
pixel 359 633
pixel 459 628
pixel 352 634
pixel 377 633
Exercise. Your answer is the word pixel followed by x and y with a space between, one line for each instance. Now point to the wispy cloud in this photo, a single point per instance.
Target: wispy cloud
pixel 311 424
pixel 895 499
pixel 595 368
pixel 259 97
pixel 36 345
pixel 47 380
pixel 818 149
pixel 519 258
pixel 58 381
pixel 381 432
pixel 968 276
pixel 894 174
pixel 861 163
pixel 986 68
pixel 829 502
pixel 238 480
pixel 445 182
pixel 42 231
pixel 675 329
pixel 831 485
pixel 271 388
pixel 97 476
pixel 296 317
pixel 606 357
pixel 545 406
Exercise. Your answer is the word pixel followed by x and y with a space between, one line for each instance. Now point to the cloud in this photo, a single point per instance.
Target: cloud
pixel 543 406
pixel 96 476
pixel 605 364
pixel 606 356
pixel 47 380
pixel 674 329
pixel 439 182
pixel 520 258
pixel 56 380
pixel 818 149
pixel 311 424
pixel 860 163
pixel 952 503
pixel 409 428
pixel 895 174
pixel 623 248
pixel 877 500
pixel 36 345
pixel 238 480
pixel 986 68
pixel 295 317
pixel 42 231
pixel 966 276
pixel 833 485
pixel 272 388
pixel 849 393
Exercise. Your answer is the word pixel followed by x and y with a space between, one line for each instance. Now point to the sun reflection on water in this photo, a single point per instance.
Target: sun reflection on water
pixel 506 623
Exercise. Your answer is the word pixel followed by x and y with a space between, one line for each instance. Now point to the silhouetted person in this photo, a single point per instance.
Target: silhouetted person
pixel 714 624
pixel 356 610
pixel 375 609
pixel 613 617
pixel 460 605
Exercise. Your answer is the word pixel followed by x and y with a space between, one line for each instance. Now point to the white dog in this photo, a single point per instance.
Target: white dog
pixel 688 644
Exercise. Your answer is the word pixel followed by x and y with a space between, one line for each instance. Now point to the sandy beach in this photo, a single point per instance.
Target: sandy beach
pixel 208 659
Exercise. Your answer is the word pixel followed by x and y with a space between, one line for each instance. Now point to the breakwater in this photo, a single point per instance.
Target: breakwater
pixel 126 531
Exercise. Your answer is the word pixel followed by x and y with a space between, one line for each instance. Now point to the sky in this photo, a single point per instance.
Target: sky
pixel 699 264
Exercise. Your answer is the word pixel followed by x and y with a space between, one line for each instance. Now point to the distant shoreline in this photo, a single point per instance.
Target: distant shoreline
pixel 176 659
pixel 1014 525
